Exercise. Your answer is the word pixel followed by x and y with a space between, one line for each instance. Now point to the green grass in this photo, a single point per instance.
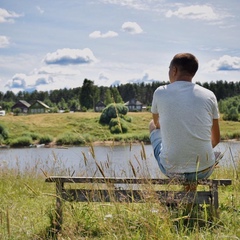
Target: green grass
pixel 87 128
pixel 84 125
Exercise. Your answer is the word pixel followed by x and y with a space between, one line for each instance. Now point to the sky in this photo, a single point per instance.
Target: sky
pixel 47 45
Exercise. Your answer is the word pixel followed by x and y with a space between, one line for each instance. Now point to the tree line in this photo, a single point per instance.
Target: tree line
pixel 86 97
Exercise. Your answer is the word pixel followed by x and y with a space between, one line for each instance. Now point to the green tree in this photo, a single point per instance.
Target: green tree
pixel 108 97
pixel 89 94
pixel 74 105
pixel 62 104
pixel 116 95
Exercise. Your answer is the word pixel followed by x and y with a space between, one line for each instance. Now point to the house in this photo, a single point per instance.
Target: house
pixel 2 113
pixel 38 107
pixel 22 105
pixel 99 106
pixel 134 105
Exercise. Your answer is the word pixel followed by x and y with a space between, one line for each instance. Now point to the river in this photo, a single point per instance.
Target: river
pixel 125 160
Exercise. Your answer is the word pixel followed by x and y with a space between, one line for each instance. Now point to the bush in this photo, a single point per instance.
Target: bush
pixel 21 142
pixel 17 111
pixel 3 132
pixel 118 125
pixel 113 110
pixel 73 139
pixel 45 139
pixel 126 118
pixel 32 135
pixel 231 114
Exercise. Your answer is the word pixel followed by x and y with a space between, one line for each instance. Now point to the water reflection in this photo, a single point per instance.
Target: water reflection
pixel 115 161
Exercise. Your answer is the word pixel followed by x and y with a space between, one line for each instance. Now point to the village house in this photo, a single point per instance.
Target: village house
pixel 134 105
pixel 22 105
pixel 38 107
pixel 99 106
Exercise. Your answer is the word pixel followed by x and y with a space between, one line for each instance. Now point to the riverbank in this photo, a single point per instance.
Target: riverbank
pixel 81 129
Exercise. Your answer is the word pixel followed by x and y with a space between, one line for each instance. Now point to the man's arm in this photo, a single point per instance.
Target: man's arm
pixel 155 117
pixel 215 133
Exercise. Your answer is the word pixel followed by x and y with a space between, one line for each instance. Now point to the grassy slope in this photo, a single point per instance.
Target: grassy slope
pixel 82 123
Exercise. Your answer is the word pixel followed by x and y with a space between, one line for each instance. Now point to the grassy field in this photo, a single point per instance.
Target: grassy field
pixel 27 203
pixel 80 128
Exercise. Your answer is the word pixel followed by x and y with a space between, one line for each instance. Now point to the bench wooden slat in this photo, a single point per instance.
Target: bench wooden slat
pixel 66 179
pixel 137 196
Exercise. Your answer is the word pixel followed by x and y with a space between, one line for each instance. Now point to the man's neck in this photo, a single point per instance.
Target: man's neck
pixel 185 78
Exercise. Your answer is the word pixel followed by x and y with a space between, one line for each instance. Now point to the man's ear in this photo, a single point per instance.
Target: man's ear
pixel 174 70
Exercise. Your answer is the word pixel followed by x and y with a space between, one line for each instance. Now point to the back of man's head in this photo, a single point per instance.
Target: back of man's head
pixel 186 62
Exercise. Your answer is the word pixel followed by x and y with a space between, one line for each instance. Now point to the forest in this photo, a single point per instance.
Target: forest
pixel 85 97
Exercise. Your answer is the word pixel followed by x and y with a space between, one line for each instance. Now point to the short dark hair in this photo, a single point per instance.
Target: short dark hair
pixel 186 62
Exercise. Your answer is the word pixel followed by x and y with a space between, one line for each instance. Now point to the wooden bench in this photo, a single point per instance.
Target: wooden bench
pixel 139 190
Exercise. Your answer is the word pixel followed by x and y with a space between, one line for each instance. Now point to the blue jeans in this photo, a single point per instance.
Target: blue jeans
pixel 156 141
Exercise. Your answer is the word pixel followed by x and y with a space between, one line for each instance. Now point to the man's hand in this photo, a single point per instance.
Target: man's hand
pixel 156 120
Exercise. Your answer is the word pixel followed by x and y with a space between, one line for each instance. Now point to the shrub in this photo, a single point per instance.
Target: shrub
pixel 231 114
pixel 126 118
pixel 118 125
pixel 112 111
pixel 73 139
pixel 3 132
pixel 45 139
pixel 17 111
pixel 21 142
pixel 32 135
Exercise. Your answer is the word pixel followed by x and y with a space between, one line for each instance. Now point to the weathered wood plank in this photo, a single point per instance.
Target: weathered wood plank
pixel 137 196
pixel 66 179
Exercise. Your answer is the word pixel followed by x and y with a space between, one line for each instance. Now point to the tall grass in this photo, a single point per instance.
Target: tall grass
pixel 27 210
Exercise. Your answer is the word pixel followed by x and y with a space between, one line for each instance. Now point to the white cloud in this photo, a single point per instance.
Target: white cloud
pixel 144 79
pixel 132 28
pixel 18 81
pixel 67 56
pixel 29 82
pixel 224 63
pixel 203 12
pixel 136 4
pixel 4 41
pixel 40 10
pixel 57 70
pixel 7 16
pixel 98 34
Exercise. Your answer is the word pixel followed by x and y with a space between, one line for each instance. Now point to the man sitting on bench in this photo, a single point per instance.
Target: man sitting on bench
pixel 185 125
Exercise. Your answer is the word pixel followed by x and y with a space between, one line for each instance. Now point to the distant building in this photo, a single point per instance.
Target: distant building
pixel 99 106
pixel 2 113
pixel 134 105
pixel 38 107
pixel 22 105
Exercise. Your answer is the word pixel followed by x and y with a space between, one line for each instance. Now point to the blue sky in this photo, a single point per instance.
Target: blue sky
pixel 46 45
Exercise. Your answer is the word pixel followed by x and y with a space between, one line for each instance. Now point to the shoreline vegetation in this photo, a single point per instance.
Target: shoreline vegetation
pixel 83 128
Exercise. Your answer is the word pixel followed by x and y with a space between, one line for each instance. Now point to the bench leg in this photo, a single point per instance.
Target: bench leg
pixel 59 213
pixel 214 201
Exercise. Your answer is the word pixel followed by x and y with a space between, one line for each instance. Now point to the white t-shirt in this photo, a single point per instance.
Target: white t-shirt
pixel 186 112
